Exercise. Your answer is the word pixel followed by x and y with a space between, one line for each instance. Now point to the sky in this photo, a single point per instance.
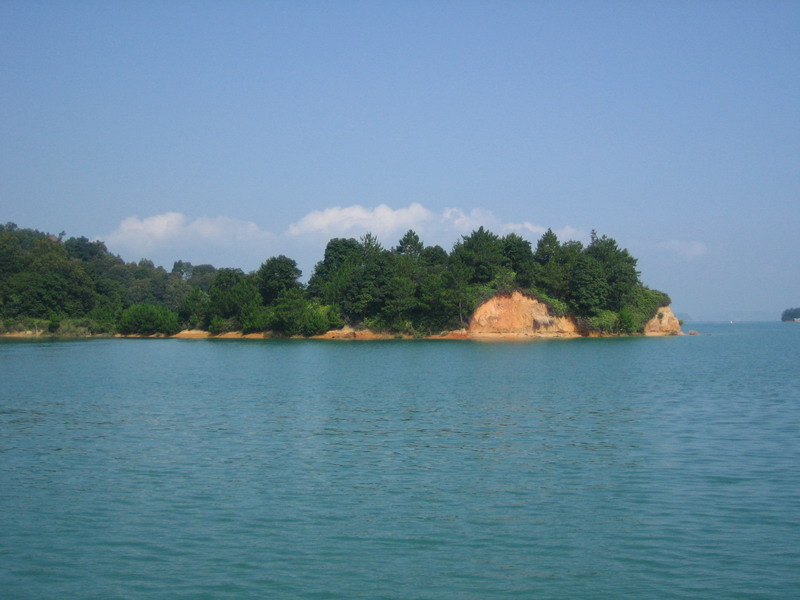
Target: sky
pixel 230 132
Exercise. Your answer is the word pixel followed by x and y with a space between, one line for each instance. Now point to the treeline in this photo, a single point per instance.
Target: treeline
pixel 790 314
pixel 76 287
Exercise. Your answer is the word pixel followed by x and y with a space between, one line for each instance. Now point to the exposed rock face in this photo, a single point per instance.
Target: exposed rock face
pixel 518 315
pixel 664 323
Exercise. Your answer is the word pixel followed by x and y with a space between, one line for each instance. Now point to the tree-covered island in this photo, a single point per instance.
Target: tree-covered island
pixel 791 314
pixel 76 287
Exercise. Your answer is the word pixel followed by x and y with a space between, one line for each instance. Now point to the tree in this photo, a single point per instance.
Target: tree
pixel 338 253
pixel 275 276
pixel 554 264
pixel 619 268
pixel 148 319
pixel 482 253
pixel 519 256
pixel 410 245
pixel 82 249
pixel 194 308
pixel 546 248
pixel 588 289
pixel 231 293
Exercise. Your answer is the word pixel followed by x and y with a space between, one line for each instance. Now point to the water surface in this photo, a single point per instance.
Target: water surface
pixel 613 468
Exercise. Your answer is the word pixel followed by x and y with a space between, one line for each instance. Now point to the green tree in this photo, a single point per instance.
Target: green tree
pixel 410 245
pixel 482 253
pixel 148 319
pixel 619 268
pixel 194 309
pixel 277 275
pixel 588 289
pixel 230 294
pixel 338 253
pixel 519 257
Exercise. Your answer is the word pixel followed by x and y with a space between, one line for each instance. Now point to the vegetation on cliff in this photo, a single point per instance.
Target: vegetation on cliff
pixel 76 286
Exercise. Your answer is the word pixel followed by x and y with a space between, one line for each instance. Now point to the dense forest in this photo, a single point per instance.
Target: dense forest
pixel 77 287
pixel 790 314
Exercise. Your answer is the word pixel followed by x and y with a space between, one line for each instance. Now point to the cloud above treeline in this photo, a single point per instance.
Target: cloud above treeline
pixel 172 235
pixel 172 227
pixel 338 221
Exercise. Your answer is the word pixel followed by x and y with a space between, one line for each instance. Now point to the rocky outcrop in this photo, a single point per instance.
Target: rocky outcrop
pixel 664 323
pixel 518 315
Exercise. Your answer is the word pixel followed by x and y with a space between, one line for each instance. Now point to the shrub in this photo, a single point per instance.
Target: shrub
pixel 148 319
pixel 256 319
pixel 640 306
pixel 557 308
pixel 605 321
pixel 219 325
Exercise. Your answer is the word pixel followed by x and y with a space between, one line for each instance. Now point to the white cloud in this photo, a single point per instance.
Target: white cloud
pixel 175 227
pixel 684 248
pixel 455 218
pixel 147 233
pixel 224 241
pixel 385 222
pixel 380 220
pixel 171 236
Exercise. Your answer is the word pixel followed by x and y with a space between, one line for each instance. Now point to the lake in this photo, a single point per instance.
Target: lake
pixel 576 469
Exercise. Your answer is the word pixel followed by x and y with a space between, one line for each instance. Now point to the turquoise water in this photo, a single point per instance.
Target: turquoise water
pixel 613 468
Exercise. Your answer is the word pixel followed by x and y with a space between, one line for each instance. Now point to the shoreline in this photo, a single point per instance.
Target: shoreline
pixel 346 333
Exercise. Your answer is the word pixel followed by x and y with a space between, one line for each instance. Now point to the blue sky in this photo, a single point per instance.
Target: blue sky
pixel 229 132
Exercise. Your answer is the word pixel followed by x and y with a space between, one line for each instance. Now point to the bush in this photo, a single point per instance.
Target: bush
pixel 640 306
pixel 148 319
pixel 256 319
pixel 219 325
pixel 605 321
pixel 103 319
pixel 557 308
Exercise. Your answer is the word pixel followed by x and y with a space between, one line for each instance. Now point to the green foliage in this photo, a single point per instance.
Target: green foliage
pixel 257 319
pixel 481 253
pixel 557 308
pixel 77 286
pixel 605 321
pixel 232 293
pixel 554 265
pixel 194 309
pixel 588 287
pixel 641 305
pixel 275 276
pixel 295 315
pixel 219 325
pixel 148 319
pixel 619 269
pixel 410 245
pixel 518 254
pixel 339 253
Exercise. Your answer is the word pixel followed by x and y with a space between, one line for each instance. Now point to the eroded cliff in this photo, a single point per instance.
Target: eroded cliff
pixel 664 323
pixel 517 315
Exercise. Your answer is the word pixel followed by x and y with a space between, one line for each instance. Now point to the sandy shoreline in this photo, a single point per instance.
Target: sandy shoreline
pixel 346 333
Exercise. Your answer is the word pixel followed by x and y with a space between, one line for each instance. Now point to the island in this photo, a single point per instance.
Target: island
pixel 486 287
pixel 791 315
